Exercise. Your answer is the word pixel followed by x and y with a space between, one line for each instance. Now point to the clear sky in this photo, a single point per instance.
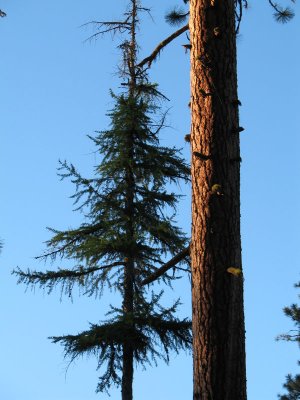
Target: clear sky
pixel 55 91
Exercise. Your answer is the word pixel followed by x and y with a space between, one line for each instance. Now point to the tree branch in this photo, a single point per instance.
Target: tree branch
pixel 171 263
pixel 109 26
pixel 43 277
pixel 161 45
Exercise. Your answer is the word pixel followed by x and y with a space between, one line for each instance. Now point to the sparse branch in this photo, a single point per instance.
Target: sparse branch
pixel 78 234
pixel 60 250
pixel 43 277
pixel 108 26
pixel 171 263
pixel 148 60
pixel 239 6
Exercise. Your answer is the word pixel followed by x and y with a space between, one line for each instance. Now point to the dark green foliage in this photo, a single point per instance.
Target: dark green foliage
pixel 176 16
pixel 100 246
pixel 149 327
pixel 128 231
pixel 292 384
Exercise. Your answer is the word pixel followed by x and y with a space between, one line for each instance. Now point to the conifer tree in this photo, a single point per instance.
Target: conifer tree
pixel 215 250
pixel 127 232
pixel 292 384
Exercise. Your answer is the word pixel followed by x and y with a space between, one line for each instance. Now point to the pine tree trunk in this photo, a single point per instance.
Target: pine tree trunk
pixel 127 375
pixel 127 372
pixel 128 299
pixel 217 295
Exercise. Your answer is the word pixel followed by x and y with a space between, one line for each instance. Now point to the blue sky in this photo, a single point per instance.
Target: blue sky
pixel 55 91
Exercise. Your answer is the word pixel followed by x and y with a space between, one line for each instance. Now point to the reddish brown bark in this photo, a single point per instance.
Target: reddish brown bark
pixel 217 295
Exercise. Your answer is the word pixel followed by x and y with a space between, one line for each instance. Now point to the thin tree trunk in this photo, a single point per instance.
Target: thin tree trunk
pixel 127 372
pixel 217 294
pixel 129 272
pixel 128 300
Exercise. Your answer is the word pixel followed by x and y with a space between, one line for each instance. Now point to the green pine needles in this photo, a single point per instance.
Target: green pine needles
pixel 127 234
pixel 292 383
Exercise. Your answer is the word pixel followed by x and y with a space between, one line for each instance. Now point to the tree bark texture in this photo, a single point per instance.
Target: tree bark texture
pixel 217 294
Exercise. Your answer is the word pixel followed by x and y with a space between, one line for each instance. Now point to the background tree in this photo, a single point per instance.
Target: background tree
pixel 127 232
pixel 292 384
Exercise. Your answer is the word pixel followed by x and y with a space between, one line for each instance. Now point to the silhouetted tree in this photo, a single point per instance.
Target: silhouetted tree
pixel 127 232
pixel 292 384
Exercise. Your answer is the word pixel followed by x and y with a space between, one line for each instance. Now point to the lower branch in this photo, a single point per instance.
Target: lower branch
pixel 171 263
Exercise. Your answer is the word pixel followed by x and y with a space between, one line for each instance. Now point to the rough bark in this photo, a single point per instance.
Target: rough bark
pixel 217 295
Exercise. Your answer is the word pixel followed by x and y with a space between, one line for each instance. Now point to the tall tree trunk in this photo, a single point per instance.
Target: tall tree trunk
pixel 129 272
pixel 217 294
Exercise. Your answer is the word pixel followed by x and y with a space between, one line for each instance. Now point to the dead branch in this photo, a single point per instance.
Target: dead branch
pixel 108 26
pixel 161 45
pixel 171 263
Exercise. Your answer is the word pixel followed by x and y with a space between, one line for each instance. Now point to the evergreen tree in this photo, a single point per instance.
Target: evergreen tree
pixel 217 278
pixel 292 384
pixel 127 232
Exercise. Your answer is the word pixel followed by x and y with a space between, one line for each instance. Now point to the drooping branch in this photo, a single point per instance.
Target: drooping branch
pixel 43 277
pixel 282 14
pixel 148 60
pixel 164 268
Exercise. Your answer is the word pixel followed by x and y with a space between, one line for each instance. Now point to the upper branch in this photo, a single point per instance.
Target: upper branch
pixel 109 26
pixel 161 45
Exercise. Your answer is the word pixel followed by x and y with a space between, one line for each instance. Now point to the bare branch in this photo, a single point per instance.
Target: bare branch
pixel 171 263
pixel 108 26
pixel 148 60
